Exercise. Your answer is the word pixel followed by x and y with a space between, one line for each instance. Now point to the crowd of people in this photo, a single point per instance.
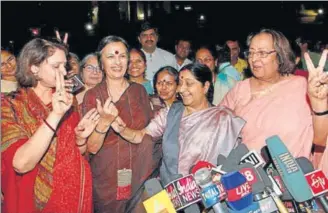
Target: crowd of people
pixel 145 113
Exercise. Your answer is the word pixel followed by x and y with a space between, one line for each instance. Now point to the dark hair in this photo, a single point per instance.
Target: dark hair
pixel 183 39
pixel 202 74
pixel 84 61
pixel 34 53
pixel 108 40
pixel 172 71
pixel 284 51
pixel 223 55
pixel 210 48
pixel 147 26
pixel 141 53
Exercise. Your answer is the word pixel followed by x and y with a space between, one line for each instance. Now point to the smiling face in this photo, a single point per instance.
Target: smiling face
pixel 114 58
pixel 46 71
pixel 137 64
pixel 263 67
pixel 192 91
pixel 148 40
pixel 92 74
pixel 182 49
pixel 8 65
pixel 204 56
pixel 166 86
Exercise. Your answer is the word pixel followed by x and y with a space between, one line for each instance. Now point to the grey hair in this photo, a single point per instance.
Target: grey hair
pixel 84 61
pixel 286 57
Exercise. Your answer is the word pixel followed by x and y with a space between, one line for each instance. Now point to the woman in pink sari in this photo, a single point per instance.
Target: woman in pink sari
pixel 193 130
pixel 272 101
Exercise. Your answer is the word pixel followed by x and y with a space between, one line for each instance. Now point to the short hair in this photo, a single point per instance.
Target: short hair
pixel 223 54
pixel 202 74
pixel 141 53
pixel 208 47
pixel 171 70
pixel 35 52
pixel 146 25
pixel 282 46
pixel 84 61
pixel 108 40
pixel 73 55
pixel 177 41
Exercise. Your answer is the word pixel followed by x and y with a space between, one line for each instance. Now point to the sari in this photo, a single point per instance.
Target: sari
pixel 61 181
pixel 283 111
pixel 202 135
pixel 117 153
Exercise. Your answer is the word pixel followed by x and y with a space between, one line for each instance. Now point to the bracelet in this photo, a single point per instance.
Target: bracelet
pixel 99 131
pixel 320 113
pixel 48 125
pixel 80 145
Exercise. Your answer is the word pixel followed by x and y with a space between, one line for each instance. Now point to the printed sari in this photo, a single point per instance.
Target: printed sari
pixel 117 153
pixel 61 182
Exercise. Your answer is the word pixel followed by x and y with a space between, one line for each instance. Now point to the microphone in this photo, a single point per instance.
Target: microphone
pixel 210 193
pixel 184 193
pixel 239 191
pixel 290 172
pixel 317 181
pixel 221 159
pixel 234 156
pixel 158 201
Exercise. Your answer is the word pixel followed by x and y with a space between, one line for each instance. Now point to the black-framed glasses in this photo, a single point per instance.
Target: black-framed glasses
pixel 261 53
pixel 90 68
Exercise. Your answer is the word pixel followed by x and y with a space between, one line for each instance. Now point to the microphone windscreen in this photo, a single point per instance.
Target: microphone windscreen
pixel 152 187
pixel 221 159
pixel 239 192
pixel 193 208
pixel 289 170
pixel 305 164
pixel 234 157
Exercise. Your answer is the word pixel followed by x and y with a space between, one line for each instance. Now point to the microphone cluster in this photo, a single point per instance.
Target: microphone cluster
pixel 244 182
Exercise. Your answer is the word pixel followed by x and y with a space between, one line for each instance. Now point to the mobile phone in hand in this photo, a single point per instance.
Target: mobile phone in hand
pixel 78 85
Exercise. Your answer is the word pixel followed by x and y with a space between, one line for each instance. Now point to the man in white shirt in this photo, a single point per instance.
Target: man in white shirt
pixel 156 57
pixel 182 50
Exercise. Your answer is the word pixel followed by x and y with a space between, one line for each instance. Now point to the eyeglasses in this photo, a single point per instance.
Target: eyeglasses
pixel 166 83
pixel 10 61
pixel 261 54
pixel 205 60
pixel 90 68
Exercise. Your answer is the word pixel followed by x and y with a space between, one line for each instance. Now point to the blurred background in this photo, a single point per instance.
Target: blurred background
pixel 203 22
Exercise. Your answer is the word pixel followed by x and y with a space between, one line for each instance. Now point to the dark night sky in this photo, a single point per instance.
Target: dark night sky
pixel 224 20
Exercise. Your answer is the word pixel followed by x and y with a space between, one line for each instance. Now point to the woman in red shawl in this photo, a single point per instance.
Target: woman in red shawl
pixel 119 168
pixel 42 169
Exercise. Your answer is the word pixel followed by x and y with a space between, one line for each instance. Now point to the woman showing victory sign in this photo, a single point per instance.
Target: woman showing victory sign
pixel 42 139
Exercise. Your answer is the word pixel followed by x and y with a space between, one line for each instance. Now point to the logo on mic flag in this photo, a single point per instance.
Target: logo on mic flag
pixel 318 182
pixel 183 192
pixel 159 203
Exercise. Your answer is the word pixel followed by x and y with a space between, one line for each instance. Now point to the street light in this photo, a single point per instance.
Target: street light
pixel 320 11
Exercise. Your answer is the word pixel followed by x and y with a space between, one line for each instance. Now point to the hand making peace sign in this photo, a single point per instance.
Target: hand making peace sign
pixel 318 79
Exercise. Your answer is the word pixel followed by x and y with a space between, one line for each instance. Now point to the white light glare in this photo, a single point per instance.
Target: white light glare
pixel 202 17
pixel 88 26
pixel 187 8
pixel 320 11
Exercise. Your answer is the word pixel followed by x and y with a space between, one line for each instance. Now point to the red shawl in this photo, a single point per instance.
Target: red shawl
pixel 22 114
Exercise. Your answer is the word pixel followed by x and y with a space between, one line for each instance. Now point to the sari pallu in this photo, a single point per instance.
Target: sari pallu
pixel 283 111
pixel 117 153
pixel 201 136
pixel 63 176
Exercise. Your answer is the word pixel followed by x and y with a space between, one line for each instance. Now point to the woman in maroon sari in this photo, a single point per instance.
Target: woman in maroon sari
pixel 118 167
pixel 42 169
